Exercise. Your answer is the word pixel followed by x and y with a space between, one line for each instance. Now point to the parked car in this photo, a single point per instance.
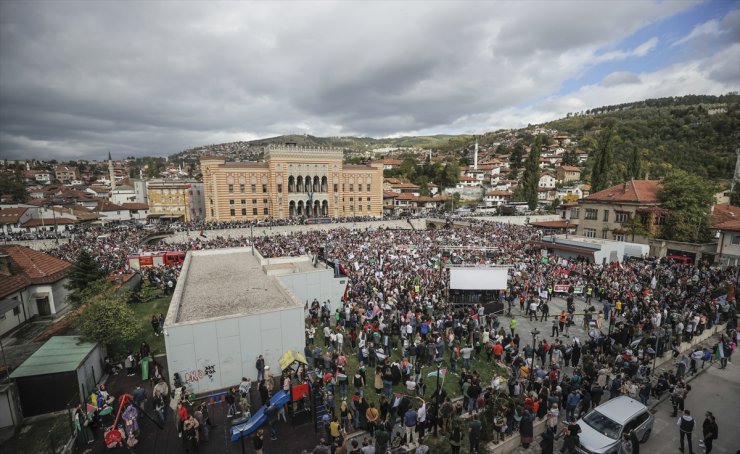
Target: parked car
pixel 602 427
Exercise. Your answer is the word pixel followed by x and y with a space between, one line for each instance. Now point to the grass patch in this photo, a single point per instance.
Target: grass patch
pixel 144 312
pixel 40 436
pixel 480 364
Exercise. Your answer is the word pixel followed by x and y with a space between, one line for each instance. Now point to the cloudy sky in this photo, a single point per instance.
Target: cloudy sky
pixel 78 79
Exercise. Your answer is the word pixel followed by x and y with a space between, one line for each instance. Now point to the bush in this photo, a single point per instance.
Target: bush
pixel 438 445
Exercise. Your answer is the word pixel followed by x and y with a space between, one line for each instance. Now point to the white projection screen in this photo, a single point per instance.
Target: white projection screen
pixel 478 278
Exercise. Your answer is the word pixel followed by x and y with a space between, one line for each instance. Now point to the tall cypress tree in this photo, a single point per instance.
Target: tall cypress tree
pixel 84 271
pixel 531 178
pixel 603 161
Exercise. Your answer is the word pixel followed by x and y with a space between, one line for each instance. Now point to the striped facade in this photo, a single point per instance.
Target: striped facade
pixel 291 182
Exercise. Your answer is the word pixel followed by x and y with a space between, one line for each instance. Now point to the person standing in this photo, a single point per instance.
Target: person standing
pixel 260 365
pixel 710 431
pixel 409 422
pixel 474 435
pixel 258 441
pixel 685 426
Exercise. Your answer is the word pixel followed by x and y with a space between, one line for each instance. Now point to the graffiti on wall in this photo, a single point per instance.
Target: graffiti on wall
pixel 197 375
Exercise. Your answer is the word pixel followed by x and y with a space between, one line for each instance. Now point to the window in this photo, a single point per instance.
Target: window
pixel 604 233
pixel 351 187
pixel 589 233
pixel 254 211
pixel 591 214
pixel 606 215
pixel 244 201
pixel 336 187
pixel 618 237
pixel 254 201
pixel 233 212
pixel 359 187
pixel 254 188
pixel 231 201
pixel 368 208
pixel 280 188
pixel 359 207
pixel 351 199
pixel 241 188
pixel 231 188
pixel 264 201
pixel 266 210
pixel 621 217
pixel 368 199
pixel 736 239
pixel 244 211
pixel 264 188
pixel 16 310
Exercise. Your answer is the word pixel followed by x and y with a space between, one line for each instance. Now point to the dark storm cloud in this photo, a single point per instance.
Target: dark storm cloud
pixel 80 78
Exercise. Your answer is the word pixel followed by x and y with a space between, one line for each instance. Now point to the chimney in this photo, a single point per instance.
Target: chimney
pixel 5 264
pixel 624 188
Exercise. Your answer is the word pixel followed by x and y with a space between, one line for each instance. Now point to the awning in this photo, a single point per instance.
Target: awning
pixel 8 304
pixel 290 357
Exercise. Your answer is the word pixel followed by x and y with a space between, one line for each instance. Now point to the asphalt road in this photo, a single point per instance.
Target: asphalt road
pixel 714 390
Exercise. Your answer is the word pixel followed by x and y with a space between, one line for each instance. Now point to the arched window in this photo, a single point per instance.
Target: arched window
pixel 299 184
pixel 324 184
pixel 291 183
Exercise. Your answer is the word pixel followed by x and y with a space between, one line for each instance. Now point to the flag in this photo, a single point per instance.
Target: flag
pixel 202 234
pixel 442 373
pixel 437 264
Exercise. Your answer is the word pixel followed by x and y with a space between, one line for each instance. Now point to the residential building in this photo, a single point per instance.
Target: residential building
pixel 547 181
pixel 405 188
pixel 123 193
pixel 292 182
pixel 602 214
pixel 566 174
pixel 726 222
pixel 11 219
pixel 137 211
pixel 390 164
pixel 64 173
pixel 176 200
pixel 32 283
pixel 496 197
pixel 109 211
pixel 468 182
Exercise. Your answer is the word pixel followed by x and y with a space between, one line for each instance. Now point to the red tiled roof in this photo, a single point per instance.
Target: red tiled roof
pixel 392 181
pixel 634 191
pixel 559 224
pixel 135 206
pixel 390 194
pixel 107 205
pixel 499 193
pixel 29 267
pixel 732 225
pixel 11 215
pixel 570 168
pixel 721 214
pixel 466 178
pixel 48 221
pixel 404 186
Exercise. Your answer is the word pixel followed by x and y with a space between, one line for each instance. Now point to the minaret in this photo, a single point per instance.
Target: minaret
pixel 112 173
pixel 475 156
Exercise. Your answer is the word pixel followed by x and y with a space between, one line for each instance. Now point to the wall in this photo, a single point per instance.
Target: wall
pixel 728 254
pixel 10 410
pixel 216 354
pixel 89 374
pixel 320 284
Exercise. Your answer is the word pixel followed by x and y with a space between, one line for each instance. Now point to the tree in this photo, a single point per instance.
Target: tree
pixel 14 186
pixel 689 199
pixel 111 322
pixel 735 195
pixel 633 226
pixel 531 178
pixel 515 159
pixel 602 166
pixel 634 164
pixel 84 271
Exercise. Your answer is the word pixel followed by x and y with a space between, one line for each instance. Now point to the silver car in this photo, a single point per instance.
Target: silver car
pixel 602 427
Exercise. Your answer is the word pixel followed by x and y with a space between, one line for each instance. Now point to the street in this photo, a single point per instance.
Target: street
pixel 714 390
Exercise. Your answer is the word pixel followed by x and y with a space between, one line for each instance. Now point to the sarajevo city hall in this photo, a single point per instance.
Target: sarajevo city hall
pixel 291 182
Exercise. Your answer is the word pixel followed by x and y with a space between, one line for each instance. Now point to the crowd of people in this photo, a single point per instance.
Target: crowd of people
pixel 395 320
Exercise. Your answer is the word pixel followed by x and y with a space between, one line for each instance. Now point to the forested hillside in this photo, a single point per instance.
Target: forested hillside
pixel 699 134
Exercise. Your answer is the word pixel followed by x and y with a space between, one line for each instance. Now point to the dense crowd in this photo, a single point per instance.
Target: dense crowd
pixel 395 320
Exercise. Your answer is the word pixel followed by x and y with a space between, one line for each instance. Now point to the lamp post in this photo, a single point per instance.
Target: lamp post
pixel 535 333
pixel 438 392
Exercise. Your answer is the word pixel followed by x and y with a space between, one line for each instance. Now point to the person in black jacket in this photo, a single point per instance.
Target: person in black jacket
pixel 710 431
pixel 686 426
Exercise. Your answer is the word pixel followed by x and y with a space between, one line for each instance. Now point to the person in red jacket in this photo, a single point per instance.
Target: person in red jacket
pixel 182 414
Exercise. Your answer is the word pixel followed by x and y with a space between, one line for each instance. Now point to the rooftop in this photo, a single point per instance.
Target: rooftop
pixel 634 191
pixel 58 354
pixel 236 276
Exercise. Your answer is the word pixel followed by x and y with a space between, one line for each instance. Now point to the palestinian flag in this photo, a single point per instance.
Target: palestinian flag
pixel 442 373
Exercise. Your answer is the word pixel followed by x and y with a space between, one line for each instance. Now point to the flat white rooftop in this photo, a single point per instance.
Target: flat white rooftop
pixel 225 282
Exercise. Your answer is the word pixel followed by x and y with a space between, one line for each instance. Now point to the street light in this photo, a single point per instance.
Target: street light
pixel 535 333
pixel 438 392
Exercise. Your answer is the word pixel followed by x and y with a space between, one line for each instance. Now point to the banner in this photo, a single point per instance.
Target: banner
pixel 578 289
pixel 560 288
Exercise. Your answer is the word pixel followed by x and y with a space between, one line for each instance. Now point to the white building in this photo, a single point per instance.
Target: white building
pixel 547 181
pixel 496 197
pixel 31 284
pixel 225 312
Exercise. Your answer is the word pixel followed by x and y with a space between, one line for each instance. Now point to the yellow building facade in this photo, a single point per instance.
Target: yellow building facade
pixel 292 182
pixel 176 200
